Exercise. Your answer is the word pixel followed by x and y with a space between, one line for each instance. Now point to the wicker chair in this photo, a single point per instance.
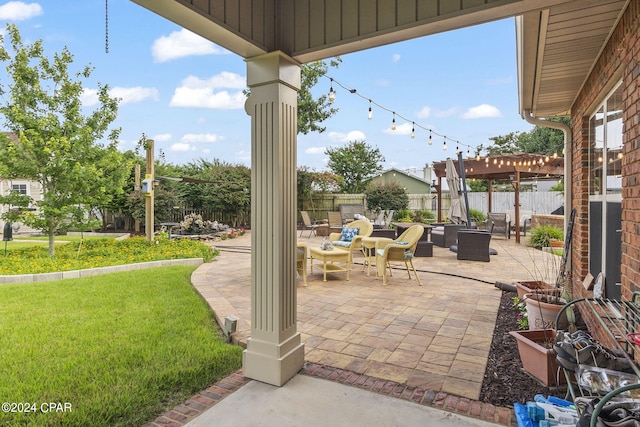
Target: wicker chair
pixel 401 249
pixel 301 261
pixel 473 245
pixel 365 228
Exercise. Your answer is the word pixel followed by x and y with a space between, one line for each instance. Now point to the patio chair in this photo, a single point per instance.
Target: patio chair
pixel 335 222
pixel 308 224
pixel 350 240
pixel 379 221
pixel 301 261
pixel 473 245
pixel 497 223
pixel 401 249
pixel 445 235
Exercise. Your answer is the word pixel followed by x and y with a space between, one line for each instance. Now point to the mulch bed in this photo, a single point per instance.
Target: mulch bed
pixel 505 381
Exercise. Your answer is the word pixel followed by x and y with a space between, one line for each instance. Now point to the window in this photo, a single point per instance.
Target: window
pixel 20 188
pixel 605 146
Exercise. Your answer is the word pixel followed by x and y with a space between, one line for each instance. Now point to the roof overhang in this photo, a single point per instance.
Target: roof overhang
pixel 556 50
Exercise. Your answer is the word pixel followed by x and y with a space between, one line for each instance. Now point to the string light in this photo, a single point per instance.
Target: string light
pixel 413 131
pixel 393 122
pixel 370 115
pixel 332 93
pixel 444 145
pixel 430 140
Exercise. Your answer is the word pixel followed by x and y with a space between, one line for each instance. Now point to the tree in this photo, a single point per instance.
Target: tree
pixel 539 140
pixel 313 111
pixel 52 142
pixel 356 164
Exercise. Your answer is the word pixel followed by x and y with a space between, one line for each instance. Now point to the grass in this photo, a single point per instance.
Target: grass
pixel 120 348
pixel 77 255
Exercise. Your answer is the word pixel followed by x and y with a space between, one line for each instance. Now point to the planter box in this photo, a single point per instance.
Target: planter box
pixel 538 360
pixel 527 287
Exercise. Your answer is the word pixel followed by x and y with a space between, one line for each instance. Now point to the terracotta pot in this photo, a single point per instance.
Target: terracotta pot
pixel 527 287
pixel 537 355
pixel 542 311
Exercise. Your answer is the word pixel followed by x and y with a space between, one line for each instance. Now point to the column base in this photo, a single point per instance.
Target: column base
pixel 265 361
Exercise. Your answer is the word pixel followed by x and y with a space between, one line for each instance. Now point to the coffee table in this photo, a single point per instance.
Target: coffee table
pixel 330 260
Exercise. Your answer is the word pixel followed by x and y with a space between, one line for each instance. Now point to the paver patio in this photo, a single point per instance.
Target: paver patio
pixel 435 336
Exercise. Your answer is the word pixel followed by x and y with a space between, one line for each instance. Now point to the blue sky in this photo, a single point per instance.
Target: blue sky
pixel 186 93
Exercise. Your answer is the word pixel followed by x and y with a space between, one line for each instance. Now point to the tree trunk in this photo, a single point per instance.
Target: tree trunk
pixel 52 243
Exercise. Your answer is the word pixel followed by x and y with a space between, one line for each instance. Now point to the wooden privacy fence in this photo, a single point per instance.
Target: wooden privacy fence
pixel 538 202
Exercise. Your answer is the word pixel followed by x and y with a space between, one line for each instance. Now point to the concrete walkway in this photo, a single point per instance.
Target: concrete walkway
pixel 432 340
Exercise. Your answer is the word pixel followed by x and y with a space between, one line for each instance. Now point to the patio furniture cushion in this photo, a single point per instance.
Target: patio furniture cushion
pixel 342 243
pixel 348 234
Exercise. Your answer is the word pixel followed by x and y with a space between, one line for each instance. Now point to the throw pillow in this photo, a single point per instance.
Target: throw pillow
pixel 348 234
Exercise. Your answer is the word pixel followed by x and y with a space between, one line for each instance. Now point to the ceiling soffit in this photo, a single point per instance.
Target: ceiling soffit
pixel 309 30
pixel 558 48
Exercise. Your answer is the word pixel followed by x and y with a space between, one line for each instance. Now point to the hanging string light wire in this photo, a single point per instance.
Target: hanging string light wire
pixel 106 26
pixel 395 114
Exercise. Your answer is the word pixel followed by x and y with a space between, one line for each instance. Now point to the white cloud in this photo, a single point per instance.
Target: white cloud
pixel 89 97
pixel 395 57
pixel 424 112
pixel 180 44
pixel 179 146
pixel 200 137
pixel 200 93
pixel 315 150
pixel 354 135
pixel 162 137
pixel 482 111
pixel 402 129
pixel 19 11
pixel 134 94
pixel 127 95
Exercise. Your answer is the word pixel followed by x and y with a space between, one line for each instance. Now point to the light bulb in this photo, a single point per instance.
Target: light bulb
pixel 555 155
pixel 444 146
pixel 393 122
pixel 332 93
pixel 477 157
pixel 430 140
pixel 370 115
pixel 413 131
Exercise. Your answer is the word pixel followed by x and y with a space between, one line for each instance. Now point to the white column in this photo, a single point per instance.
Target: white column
pixel 274 352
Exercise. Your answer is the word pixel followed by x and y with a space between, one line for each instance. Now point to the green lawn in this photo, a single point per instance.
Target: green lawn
pixel 119 348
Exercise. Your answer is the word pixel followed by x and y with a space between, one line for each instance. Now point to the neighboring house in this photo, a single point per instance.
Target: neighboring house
pixel 411 183
pixel 23 186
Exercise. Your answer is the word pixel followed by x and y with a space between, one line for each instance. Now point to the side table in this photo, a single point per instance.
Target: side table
pixel 329 260
pixel 369 250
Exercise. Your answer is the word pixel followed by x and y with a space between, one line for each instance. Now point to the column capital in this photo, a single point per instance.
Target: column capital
pixel 273 67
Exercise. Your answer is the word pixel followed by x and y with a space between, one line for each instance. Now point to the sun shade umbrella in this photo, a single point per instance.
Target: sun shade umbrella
pixel 457 210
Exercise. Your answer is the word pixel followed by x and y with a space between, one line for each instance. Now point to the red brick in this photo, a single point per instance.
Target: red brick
pixel 167 422
pixel 488 412
pixel 464 405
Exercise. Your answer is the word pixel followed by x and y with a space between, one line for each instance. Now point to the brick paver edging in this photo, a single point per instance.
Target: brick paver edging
pixel 196 405
pixel 441 400
pixel 185 412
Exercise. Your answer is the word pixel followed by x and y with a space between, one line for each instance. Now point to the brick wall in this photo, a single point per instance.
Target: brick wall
pixel 619 61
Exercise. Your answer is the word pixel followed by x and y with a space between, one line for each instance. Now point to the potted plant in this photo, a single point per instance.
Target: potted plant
pixel 538 358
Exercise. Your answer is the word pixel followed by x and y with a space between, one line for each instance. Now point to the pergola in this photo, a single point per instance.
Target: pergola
pixel 512 167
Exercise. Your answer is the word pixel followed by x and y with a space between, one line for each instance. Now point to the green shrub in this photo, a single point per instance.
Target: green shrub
pixel 424 215
pixel 389 196
pixel 477 216
pixel 540 235
pixel 404 215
